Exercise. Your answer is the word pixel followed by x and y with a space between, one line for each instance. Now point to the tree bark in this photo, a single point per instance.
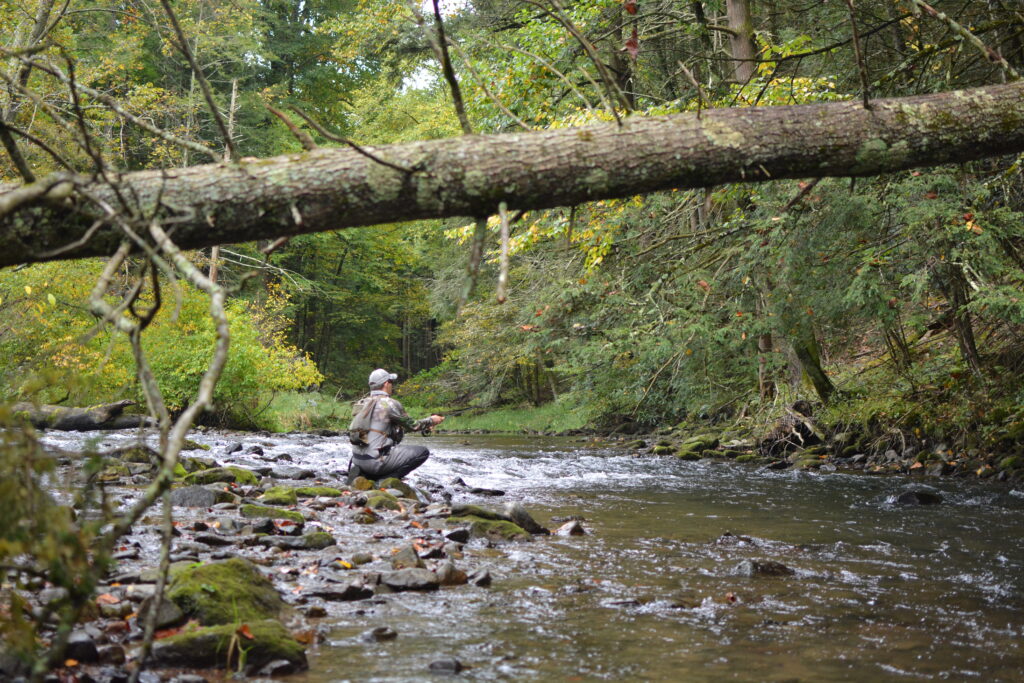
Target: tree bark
pixel 741 40
pixel 62 418
pixel 329 189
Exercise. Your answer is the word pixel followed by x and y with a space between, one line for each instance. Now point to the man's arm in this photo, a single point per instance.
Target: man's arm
pixel 398 416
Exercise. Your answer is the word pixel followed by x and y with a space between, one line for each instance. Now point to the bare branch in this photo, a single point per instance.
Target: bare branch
pixel 487 91
pixel 345 141
pixel 503 259
pixel 301 135
pixel 990 54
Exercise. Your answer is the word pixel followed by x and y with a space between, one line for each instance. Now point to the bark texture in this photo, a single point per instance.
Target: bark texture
pixel 62 418
pixel 328 189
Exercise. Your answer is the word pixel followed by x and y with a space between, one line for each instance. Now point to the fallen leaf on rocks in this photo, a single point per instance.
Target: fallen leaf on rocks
pixel 244 631
pixel 70 662
pixel 107 599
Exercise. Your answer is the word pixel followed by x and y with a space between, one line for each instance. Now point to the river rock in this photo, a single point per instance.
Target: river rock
pixel 82 647
pixel 345 593
pixel 214 540
pixel 515 512
pixel 233 447
pixel 917 497
pixel 449 575
pixel 449 665
pixel 218 647
pixel 225 593
pixel 317 492
pixel 279 495
pixel 222 475
pixel 480 577
pixel 751 568
pixel 460 535
pixel 571 528
pixel 492 529
pixel 317 540
pixel 396 483
pixel 291 472
pixel 379 634
pixel 266 512
pixel 411 580
pixel 168 615
pixel 405 558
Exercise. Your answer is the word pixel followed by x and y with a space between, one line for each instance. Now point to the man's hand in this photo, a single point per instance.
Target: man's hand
pixel 436 419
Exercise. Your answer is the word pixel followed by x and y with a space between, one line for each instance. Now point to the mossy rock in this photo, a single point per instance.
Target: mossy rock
pixel 747 457
pixel 180 471
pixel 195 464
pixel 732 453
pixel 700 443
pixel 318 540
pixel 491 529
pixel 663 442
pixel 688 454
pixel 266 512
pixel 808 464
pixel 381 500
pixel 397 484
pixel 1011 462
pixel 113 472
pixel 820 449
pixel 220 647
pixel 225 475
pixel 139 454
pixel 663 450
pixel 227 592
pixel 477 511
pixel 636 444
pixel 362 484
pixel 317 491
pixel 190 445
pixel 279 495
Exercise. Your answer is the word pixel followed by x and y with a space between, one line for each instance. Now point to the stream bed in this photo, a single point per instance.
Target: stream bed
pixel 656 590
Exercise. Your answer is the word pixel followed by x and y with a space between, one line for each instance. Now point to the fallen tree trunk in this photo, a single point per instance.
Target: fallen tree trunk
pixel 109 416
pixel 328 189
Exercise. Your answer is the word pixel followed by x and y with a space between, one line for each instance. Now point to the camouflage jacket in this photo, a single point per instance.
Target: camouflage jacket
pixel 388 423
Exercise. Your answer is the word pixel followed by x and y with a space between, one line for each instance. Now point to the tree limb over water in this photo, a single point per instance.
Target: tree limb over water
pixel 328 189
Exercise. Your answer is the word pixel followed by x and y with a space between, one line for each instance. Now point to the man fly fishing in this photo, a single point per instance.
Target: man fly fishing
pixel 378 424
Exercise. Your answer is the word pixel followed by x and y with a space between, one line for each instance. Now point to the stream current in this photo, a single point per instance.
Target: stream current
pixel 879 591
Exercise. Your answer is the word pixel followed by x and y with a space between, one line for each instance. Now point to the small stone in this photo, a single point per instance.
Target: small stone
pixel 316 612
pixel 405 558
pixel 233 447
pixel 917 498
pixel 255 450
pixel 292 472
pixel 751 568
pixel 448 575
pixel 411 580
pixel 168 615
pixel 446 666
pixel 214 539
pixel 518 514
pixel 379 634
pixel 347 593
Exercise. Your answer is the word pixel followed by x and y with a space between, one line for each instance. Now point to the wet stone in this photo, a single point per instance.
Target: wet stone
pixel 518 514
pixel 379 634
pixel 917 498
pixel 446 666
pixel 82 647
pixel 291 472
pixel 410 580
pixel 405 558
pixel 347 593
pixel 214 539
pixel 573 528
pixel 480 577
pixel 752 568
pixel 460 535
pixel 167 616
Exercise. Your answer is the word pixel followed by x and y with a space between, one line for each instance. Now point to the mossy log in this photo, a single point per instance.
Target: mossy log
pixel 108 416
pixel 329 189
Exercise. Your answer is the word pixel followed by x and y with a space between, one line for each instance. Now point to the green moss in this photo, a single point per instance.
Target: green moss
pixel 492 529
pixel 476 511
pixel 318 540
pixel 396 483
pixel 381 500
pixel 664 450
pixel 361 484
pixel 315 491
pixel 747 457
pixel 191 445
pixel 1011 463
pixel 260 512
pixel 279 495
pixel 219 475
pixel 179 470
pixel 220 647
pixel 688 454
pixel 225 593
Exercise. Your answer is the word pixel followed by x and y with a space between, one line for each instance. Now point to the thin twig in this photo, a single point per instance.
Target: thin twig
pixel 441 48
pixel 483 86
pixel 15 154
pixel 861 66
pixel 301 135
pixel 345 141
pixel 560 75
pixel 700 90
pixel 990 54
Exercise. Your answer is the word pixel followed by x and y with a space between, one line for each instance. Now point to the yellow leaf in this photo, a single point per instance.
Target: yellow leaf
pixel 52 299
pixel 28 290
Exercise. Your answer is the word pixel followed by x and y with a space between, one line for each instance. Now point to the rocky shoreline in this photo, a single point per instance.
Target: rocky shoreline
pixel 266 556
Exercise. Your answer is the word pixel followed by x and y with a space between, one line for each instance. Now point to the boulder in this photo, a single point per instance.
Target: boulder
pixel 571 528
pixel 396 483
pixel 491 529
pixel 225 593
pixel 82 647
pixel 199 497
pixel 317 540
pixel 449 575
pixel 381 500
pixel 342 593
pixel 263 641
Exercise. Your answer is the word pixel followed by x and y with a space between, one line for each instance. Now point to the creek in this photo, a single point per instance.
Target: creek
pixel 879 591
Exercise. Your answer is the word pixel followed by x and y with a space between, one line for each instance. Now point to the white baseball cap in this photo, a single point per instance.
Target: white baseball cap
pixel 380 377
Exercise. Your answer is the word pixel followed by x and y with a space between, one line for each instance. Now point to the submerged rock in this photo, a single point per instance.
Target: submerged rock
pixel 492 529
pixel 571 528
pixel 225 593
pixel 751 568
pixel 516 513
pixel 263 641
pixel 917 497
pixel 411 580
pixel 446 666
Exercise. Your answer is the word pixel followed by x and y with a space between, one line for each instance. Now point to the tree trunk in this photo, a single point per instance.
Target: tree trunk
pixel 328 189
pixel 741 40
pixel 805 347
pixel 80 419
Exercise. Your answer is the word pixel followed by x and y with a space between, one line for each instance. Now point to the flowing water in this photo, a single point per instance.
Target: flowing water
pixel 880 591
